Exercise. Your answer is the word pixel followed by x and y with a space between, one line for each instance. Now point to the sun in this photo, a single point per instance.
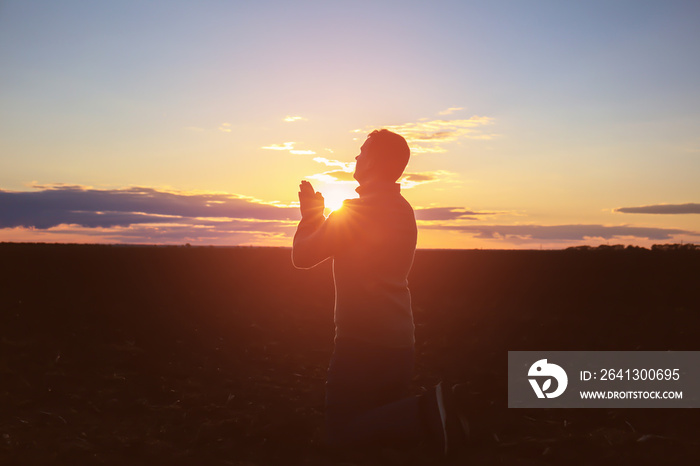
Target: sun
pixel 334 201
pixel 335 195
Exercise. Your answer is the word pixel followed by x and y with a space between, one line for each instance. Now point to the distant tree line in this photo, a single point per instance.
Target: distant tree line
pixel 622 247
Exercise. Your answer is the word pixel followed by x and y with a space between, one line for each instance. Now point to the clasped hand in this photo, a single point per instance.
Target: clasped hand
pixel 310 202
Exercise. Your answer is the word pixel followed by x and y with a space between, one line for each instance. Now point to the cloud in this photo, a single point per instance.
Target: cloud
pixel 290 147
pixel 225 127
pixel 51 206
pixel 290 119
pixel 332 176
pixel 419 177
pixel 411 180
pixel 442 130
pixel 285 146
pixel 428 136
pixel 343 175
pixel 407 180
pixel 265 233
pixel 450 110
pixel 302 152
pixel 148 215
pixel 346 166
pixel 539 233
pixel 676 209
pixel 446 213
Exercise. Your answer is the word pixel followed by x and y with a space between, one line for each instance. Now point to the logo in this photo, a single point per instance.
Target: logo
pixel 543 369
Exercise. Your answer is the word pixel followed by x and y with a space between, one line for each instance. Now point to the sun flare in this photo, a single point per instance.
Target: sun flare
pixel 334 197
pixel 334 202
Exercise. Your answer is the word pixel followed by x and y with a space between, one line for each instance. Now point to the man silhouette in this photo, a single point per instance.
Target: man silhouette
pixel 372 241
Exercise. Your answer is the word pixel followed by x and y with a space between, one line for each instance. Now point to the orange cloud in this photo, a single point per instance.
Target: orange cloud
pixel 430 215
pixel 290 119
pixel 346 166
pixel 411 180
pixel 346 169
pixel 450 110
pixel 343 175
pixel 285 146
pixel 427 136
pixel 302 152
pixel 332 176
pixel 289 146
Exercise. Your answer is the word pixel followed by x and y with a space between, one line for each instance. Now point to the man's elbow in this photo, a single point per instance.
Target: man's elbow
pixel 300 260
pixel 303 260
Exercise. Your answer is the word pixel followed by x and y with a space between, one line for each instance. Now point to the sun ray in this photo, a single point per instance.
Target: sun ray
pixel 334 195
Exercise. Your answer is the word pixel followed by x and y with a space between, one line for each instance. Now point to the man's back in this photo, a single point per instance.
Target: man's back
pixel 371 265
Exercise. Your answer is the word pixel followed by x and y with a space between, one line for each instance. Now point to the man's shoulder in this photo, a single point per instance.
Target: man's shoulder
pixel 360 206
pixel 354 202
pixel 377 202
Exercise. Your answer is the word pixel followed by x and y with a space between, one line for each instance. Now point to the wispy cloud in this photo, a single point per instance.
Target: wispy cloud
pixel 663 209
pixel 428 136
pixel 345 166
pixel 334 176
pixel 450 110
pixel 411 180
pixel 427 214
pixel 289 146
pixel 149 215
pixel 140 213
pixel 346 169
pixel 343 175
pixel 291 119
pixel 284 146
pixel 560 233
pixel 302 152
pixel 225 127
pixel 261 234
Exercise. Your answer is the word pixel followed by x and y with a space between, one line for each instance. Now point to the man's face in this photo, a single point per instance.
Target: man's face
pixel 363 164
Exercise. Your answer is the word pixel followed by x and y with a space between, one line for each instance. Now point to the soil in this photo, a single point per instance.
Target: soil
pixel 203 355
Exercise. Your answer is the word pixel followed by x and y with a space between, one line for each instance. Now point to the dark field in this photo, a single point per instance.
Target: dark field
pixel 178 355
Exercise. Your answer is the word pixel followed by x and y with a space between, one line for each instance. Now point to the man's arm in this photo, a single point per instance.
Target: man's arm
pixel 313 240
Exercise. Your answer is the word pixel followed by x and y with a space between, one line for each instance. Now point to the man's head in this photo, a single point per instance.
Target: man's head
pixel 383 157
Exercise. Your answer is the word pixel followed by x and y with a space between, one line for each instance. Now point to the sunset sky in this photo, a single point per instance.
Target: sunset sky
pixel 532 124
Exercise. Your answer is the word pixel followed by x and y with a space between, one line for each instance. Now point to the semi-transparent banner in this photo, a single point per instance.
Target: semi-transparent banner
pixel 604 379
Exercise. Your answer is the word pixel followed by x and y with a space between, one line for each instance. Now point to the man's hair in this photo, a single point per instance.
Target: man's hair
pixel 390 153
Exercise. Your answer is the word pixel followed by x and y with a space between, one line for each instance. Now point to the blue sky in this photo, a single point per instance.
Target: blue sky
pixel 527 114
